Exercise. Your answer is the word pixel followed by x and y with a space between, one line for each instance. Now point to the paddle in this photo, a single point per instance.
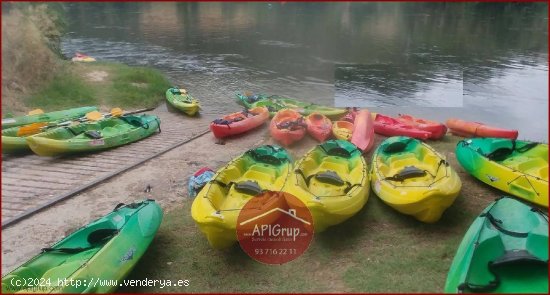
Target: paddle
pixel 91 116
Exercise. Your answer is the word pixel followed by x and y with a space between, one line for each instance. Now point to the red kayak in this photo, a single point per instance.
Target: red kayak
pixel 437 130
pixel 476 129
pixel 240 122
pixel 319 126
pixel 389 126
pixel 363 131
pixel 287 127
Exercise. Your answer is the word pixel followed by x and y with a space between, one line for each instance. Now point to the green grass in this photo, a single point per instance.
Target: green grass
pixel 377 250
pixel 121 86
pixel 64 91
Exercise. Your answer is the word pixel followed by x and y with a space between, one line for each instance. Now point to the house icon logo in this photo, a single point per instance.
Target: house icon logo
pixel 274 227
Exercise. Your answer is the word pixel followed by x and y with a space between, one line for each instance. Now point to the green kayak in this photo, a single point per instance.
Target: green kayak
pixel 47 117
pixel 11 143
pixel 275 103
pixel 517 167
pixel 183 101
pixel 93 257
pixel 93 136
pixel 505 250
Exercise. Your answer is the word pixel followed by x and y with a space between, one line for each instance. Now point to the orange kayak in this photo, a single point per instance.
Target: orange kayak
pixel 438 130
pixel 240 122
pixel 319 126
pixel 287 126
pixel 342 130
pixel 476 129
pixel 363 131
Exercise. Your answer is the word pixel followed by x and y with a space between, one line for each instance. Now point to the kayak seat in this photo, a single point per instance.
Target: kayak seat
pixel 329 177
pixel 333 167
pixel 532 166
pixel 248 187
pixel 64 270
pixel 402 160
pixel 259 175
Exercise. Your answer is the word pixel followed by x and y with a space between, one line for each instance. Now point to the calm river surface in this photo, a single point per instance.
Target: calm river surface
pixel 482 62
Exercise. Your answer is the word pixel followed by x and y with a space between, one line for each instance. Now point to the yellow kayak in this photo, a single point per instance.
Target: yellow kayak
pixel 342 130
pixel 218 204
pixel 183 101
pixel 332 181
pixel 413 178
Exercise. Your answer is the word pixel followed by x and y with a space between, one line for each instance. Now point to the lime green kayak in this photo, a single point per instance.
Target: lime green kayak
pixel 47 117
pixel 11 143
pixel 505 250
pixel 93 136
pixel 93 257
pixel 275 103
pixel 183 101
pixel 517 167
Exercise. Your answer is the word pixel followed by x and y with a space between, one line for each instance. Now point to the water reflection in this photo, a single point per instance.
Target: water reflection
pixel 495 55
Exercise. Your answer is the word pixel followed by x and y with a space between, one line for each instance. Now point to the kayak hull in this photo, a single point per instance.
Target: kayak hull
pixel 363 131
pixel 114 132
pixel 475 129
pixel 132 227
pixel 330 203
pixel 47 117
pixel 260 116
pixel 183 102
pixel 13 144
pixel 388 126
pixel 276 103
pixel 425 196
pixel 437 130
pixel 521 174
pixel 319 126
pixel 505 250
pixel 218 204
pixel 287 136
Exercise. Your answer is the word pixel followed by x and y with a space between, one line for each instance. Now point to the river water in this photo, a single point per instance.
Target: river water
pixel 481 62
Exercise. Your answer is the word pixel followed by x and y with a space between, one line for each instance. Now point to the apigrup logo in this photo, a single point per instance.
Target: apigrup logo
pixel 275 227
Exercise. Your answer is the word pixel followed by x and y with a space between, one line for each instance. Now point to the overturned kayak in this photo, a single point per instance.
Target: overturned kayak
pixel 183 101
pixel 363 131
pixel 39 116
pixel 319 126
pixel 505 250
pixel 517 167
pixel 275 103
pixel 332 181
pixel 93 136
pixel 240 122
pixel 388 126
pixel 287 127
pixel 476 129
pixel 413 178
pixel 219 203
pixel 342 129
pixel 106 249
pixel 437 130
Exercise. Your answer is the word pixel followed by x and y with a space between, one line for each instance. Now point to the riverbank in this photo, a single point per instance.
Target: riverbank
pixel 36 75
pixel 378 250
